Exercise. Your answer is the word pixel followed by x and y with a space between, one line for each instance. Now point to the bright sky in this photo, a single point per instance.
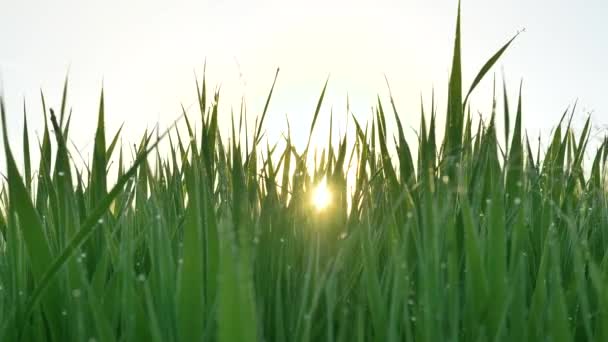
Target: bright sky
pixel 146 53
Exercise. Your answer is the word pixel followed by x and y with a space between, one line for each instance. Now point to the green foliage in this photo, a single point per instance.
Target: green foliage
pixel 472 240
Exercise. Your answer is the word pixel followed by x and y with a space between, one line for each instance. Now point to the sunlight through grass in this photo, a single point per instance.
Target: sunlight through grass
pixel 321 196
pixel 469 238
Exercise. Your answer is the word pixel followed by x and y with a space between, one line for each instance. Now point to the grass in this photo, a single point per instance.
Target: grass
pixel 476 239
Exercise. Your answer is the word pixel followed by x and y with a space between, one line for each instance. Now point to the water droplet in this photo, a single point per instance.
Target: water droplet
pixel 410 302
pixel 519 184
pixel 343 235
pixel 517 201
pixel 83 255
pixel 488 201
pixel 64 313
pixel 141 277
pixel 413 318
pixel 60 173
pixel 100 221
pixel 180 261
pixel 76 293
pixel 445 179
pixel 20 292
pixel 409 214
pixel 282 240
pixel 256 240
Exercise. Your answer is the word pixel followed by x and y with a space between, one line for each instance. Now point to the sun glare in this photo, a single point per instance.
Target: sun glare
pixel 321 196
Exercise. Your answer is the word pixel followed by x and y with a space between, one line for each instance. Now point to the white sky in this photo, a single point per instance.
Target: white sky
pixel 146 53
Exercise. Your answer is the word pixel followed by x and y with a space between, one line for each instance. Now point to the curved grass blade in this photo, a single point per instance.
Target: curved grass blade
pixel 259 128
pixel 486 67
pixel 314 118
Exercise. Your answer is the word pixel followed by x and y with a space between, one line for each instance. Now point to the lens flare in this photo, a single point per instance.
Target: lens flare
pixel 321 195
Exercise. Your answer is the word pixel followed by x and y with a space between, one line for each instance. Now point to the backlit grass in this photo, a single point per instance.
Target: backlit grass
pixel 477 239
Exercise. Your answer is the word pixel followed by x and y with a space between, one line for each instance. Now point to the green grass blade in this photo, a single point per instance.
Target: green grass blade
pixel 487 66
pixel 26 154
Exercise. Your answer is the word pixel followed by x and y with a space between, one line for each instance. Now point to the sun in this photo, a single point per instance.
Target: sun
pixel 321 195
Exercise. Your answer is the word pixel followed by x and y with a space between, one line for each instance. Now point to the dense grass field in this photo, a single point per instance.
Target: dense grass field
pixel 479 238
